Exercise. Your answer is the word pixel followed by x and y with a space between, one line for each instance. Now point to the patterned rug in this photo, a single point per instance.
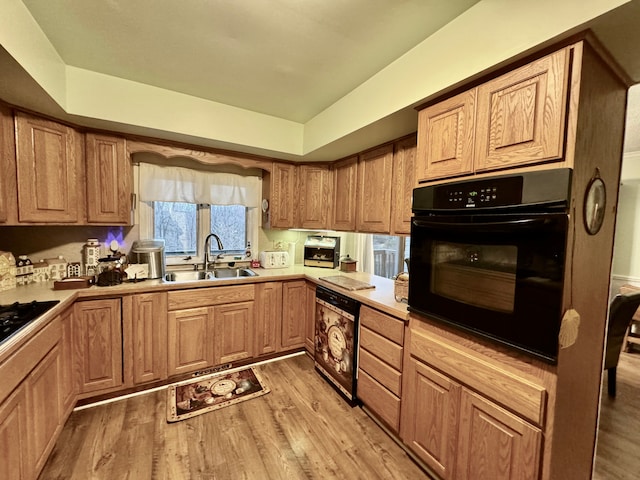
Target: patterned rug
pixel 205 394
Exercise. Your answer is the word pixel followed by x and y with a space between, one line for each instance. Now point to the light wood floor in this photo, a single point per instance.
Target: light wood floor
pixel 302 429
pixel 618 447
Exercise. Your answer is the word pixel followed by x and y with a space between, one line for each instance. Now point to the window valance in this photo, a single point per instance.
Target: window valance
pixel 177 184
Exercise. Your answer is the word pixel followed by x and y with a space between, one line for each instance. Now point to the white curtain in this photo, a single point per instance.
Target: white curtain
pixel 359 246
pixel 175 184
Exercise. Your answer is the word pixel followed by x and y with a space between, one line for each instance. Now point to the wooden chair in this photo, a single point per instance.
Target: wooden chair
pixel 621 311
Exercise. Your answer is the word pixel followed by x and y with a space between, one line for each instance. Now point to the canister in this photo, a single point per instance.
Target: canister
pixel 150 252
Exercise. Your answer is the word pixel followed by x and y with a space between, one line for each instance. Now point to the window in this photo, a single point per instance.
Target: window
pixel 389 253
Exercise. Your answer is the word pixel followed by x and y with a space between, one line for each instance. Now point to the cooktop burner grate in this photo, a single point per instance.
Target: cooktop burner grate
pixel 15 316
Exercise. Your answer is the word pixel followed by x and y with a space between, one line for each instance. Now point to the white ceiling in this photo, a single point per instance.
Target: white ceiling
pixel 287 58
pixel 266 56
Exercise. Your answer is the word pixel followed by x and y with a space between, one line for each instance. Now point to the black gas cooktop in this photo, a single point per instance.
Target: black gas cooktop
pixel 15 316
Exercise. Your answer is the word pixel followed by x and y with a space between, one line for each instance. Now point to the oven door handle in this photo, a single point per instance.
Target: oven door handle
pixel 523 223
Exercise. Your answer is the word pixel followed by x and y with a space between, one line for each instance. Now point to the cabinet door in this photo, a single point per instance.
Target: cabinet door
pixel 44 406
pixel 310 315
pixel 109 179
pixel 374 190
pixel 283 196
pixel 293 314
pixel 494 443
pixel 313 195
pixel 97 332
pixel 233 326
pixel 49 171
pixel 345 184
pixel 268 317
pixel 404 181
pixel 190 340
pixel 445 138
pixel 430 405
pixel 521 114
pixel 145 327
pixel 67 384
pixel 16 461
pixel 8 166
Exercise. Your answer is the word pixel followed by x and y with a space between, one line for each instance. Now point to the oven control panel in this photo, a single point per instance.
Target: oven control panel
pixel 497 192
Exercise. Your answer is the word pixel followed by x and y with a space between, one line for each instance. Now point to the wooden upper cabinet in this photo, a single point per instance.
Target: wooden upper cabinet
pixel 345 184
pixel 109 179
pixel 404 156
pixel 314 188
pixel 49 171
pixel 373 208
pixel 7 165
pixel 283 196
pixel 521 115
pixel 445 138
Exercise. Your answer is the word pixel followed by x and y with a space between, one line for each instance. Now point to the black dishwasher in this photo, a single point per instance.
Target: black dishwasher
pixel 336 340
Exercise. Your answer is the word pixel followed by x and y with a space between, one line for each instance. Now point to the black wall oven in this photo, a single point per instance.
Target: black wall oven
pixel 488 256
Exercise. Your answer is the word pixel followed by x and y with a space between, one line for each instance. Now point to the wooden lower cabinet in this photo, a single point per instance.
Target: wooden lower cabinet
pixel 97 339
pixel 310 319
pixel 294 307
pixel 268 322
pixel 67 386
pixel 233 326
pixel 190 340
pixel 459 434
pixel 16 461
pixel 145 337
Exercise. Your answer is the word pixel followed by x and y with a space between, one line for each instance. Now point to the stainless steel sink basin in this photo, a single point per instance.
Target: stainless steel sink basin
pixel 188 276
pixel 233 272
pixel 193 276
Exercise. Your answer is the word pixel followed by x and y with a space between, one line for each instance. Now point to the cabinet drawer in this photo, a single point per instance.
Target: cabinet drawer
pixel 382 348
pixel 15 368
pixel 505 387
pixel 380 400
pixel 383 373
pixel 388 327
pixel 202 297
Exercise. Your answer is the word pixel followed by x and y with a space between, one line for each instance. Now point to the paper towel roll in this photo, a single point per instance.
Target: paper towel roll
pixel 292 253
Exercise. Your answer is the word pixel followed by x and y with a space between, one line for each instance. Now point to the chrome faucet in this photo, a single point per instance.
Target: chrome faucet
pixel 207 247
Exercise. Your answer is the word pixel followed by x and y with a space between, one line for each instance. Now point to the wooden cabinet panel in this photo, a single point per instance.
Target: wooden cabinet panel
pixel 97 333
pixel 268 323
pixel 345 184
pixel 49 171
pixel 494 443
pixel 384 373
pixel 293 314
pixel 109 180
pixel 67 386
pixel 44 406
pixel 283 196
pixel 373 205
pixel 8 206
pixel 385 325
pixel 430 407
pixel 16 459
pixel 145 327
pixel 404 181
pixel 233 326
pixel 201 297
pixel 190 340
pixel 379 399
pixel 382 348
pixel 521 114
pixel 314 189
pixel 310 324
pixel 445 138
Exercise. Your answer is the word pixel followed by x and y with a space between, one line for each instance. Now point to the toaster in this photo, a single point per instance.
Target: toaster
pixel 274 259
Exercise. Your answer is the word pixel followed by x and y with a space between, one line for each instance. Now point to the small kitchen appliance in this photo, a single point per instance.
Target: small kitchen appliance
pixel 150 252
pixel 275 259
pixel 321 251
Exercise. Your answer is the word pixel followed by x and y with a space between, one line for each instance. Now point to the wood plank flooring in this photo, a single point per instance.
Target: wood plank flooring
pixel 301 430
pixel 618 447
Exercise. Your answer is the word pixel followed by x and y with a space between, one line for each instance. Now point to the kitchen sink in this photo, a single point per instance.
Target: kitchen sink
pixel 193 276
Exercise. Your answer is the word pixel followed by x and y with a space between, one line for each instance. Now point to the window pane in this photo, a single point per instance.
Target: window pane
pixel 176 223
pixel 389 253
pixel 229 222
